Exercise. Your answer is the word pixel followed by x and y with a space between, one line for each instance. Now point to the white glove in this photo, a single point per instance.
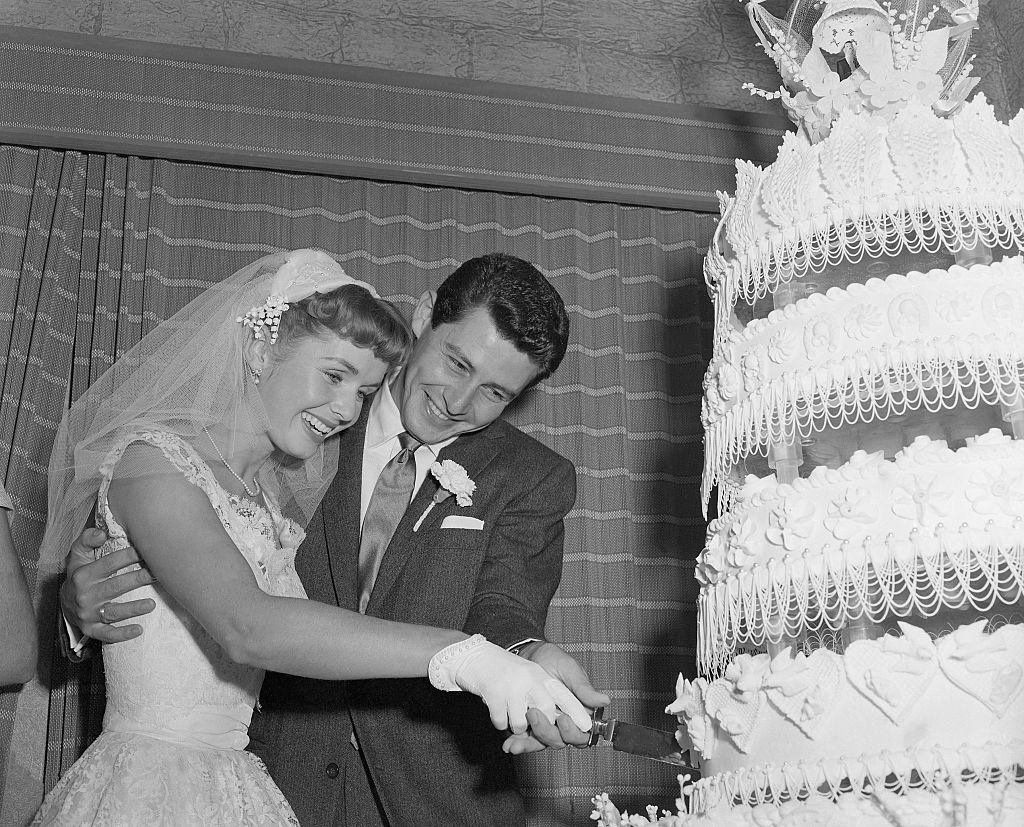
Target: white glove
pixel 507 683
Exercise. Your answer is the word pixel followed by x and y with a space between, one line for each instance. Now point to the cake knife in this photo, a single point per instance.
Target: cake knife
pixel 655 744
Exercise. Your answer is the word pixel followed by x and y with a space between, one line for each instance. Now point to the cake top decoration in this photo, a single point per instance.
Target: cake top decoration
pixel 875 56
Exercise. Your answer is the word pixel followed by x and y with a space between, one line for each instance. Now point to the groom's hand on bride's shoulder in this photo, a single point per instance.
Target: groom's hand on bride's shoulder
pixel 92 585
pixel 544 734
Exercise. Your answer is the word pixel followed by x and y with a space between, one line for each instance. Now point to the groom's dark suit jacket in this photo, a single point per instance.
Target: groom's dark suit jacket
pixel 434 757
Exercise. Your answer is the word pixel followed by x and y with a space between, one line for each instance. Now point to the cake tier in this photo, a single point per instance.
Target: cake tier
pixel 873 187
pixel 925 341
pixel 932 528
pixel 971 804
pixel 775 729
pixel 974 804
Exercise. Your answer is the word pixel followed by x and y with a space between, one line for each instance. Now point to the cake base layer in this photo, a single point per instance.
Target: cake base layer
pixel 825 712
pixel 963 804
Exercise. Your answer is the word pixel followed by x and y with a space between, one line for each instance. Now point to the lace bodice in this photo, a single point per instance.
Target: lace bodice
pixel 174 681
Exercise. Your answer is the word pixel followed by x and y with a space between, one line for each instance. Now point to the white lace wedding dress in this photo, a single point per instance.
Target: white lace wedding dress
pixel 172 750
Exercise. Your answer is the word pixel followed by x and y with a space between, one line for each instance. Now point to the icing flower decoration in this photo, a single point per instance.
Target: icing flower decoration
pixel 782 346
pixel 888 86
pixel 952 307
pixel 922 500
pixel 789 670
pixel 748 672
pixel 992 438
pixel 996 491
pixel 728 382
pixel 742 543
pixel 867 463
pixel 923 451
pixel 454 481
pixel 712 561
pixel 1001 308
pixel 606 814
pixel 790 523
pixel 689 698
pixel 836 97
pixel 819 338
pixel 916 647
pixel 751 368
pixel 722 386
pixel 849 513
pixel 969 641
pixel 908 316
pixel 824 97
pixel 688 707
pixel 863 322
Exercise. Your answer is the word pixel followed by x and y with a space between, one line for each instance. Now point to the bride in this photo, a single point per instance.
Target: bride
pixel 207 447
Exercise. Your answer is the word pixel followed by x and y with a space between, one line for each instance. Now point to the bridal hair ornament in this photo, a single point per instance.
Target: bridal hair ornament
pixel 303 273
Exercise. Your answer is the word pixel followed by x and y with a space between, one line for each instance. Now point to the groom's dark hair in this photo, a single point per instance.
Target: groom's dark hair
pixel 524 306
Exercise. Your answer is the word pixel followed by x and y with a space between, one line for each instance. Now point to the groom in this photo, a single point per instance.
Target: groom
pixel 397 752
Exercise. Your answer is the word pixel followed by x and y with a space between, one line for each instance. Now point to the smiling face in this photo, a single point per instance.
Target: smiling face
pixel 460 378
pixel 316 390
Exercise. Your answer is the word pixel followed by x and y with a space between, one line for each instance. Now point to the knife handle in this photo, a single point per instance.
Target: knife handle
pixel 599 728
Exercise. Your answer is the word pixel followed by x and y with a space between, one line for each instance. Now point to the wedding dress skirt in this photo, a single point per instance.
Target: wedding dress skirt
pixel 172 750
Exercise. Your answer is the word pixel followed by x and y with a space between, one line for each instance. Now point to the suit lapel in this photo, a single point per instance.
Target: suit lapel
pixel 474 452
pixel 341 515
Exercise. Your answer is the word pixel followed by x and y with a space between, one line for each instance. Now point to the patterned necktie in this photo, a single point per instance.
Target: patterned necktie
pixel 388 502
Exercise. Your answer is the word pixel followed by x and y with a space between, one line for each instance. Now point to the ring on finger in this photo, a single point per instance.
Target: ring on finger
pixel 103 613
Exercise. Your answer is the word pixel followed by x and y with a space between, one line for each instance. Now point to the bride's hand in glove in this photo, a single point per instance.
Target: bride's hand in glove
pixel 542 733
pixel 507 683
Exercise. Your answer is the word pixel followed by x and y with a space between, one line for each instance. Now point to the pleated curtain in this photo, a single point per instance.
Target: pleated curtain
pixel 96 249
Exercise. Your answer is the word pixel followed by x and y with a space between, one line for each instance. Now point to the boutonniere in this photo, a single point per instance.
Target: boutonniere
pixel 454 480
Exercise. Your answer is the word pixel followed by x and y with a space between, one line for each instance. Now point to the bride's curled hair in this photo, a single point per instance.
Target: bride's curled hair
pixel 349 311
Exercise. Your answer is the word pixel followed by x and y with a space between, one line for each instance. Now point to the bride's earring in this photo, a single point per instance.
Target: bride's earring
pixel 255 374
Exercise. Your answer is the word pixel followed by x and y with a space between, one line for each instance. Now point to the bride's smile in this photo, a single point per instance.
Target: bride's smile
pixel 315 389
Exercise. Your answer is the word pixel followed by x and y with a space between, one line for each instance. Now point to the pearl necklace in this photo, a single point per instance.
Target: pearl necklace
pixel 255 482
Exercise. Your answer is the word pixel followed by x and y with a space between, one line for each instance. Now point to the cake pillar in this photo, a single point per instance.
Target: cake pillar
pixel 785 458
pixel 775 648
pixel 973 252
pixel 776 628
pixel 1013 414
pixel 860 629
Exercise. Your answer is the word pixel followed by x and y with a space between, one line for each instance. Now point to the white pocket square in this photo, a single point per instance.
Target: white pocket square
pixel 458 521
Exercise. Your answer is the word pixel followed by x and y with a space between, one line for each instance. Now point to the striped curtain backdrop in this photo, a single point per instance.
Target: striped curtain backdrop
pixel 96 249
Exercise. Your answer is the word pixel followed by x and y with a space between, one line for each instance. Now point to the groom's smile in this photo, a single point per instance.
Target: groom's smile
pixel 460 378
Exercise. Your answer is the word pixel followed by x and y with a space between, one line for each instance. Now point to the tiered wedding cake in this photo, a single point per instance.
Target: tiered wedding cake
pixel 861 630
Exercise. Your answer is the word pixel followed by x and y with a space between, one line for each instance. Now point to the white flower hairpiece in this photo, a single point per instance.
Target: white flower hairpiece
pixel 303 273
pixel 454 479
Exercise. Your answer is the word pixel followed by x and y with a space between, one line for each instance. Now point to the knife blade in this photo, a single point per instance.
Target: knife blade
pixel 646 742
